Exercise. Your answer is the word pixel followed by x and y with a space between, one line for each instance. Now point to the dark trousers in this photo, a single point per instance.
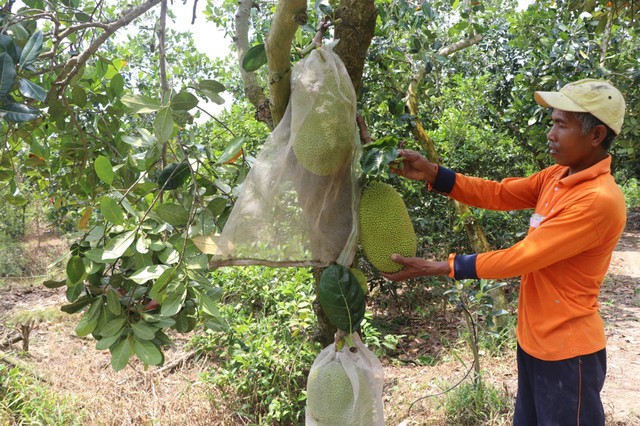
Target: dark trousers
pixel 560 393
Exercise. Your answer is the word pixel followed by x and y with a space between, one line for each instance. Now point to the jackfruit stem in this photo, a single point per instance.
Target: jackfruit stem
pixel 341 338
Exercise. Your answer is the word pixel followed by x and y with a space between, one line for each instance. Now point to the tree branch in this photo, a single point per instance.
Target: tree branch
pixel 73 66
pixel 252 89
pixel 290 14
pixel 162 53
pixel 460 45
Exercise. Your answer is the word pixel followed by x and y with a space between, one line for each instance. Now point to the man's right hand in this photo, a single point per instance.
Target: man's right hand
pixel 415 267
pixel 415 166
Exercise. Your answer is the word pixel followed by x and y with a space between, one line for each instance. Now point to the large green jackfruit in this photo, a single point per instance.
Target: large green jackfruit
pixel 325 140
pixel 330 398
pixel 385 227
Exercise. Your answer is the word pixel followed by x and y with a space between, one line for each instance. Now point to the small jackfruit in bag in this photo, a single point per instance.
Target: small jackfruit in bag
pixel 344 387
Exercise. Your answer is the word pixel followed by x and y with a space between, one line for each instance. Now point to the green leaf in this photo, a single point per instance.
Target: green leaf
pixel 118 245
pixel 54 283
pixel 113 327
pixel 255 57
pixel 97 255
pixel 217 206
pixel 148 352
pixel 113 302
pixel 75 269
pixel 82 17
pixel 173 303
pixel 104 169
pixel 31 50
pixel 142 330
pixel 231 150
pixel 76 306
pixel 163 125
pixel 147 273
pixel 31 90
pixel 86 325
pixel 341 298
pixel 141 104
pixel 116 85
pixel 7 45
pixel 79 96
pixel 211 89
pixel 89 321
pixel 120 354
pixel 111 211
pixel 16 200
pixel 161 283
pixel 208 303
pixel 18 113
pixel 184 101
pixel 74 291
pixel 211 85
pixel 106 342
pixel 7 74
pixel 175 214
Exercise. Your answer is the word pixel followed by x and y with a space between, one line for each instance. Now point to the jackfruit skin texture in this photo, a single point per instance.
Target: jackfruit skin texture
pixel 330 397
pixel 325 141
pixel 385 227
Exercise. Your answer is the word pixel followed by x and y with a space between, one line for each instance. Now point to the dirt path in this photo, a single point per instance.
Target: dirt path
pixel 621 311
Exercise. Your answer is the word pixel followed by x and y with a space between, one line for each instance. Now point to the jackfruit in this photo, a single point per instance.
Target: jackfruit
pixel 330 397
pixel 325 141
pixel 385 227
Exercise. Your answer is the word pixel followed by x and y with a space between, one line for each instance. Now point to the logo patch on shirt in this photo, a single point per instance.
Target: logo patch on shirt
pixel 535 220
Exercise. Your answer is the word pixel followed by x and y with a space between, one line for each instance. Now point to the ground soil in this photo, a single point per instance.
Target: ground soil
pixel 74 369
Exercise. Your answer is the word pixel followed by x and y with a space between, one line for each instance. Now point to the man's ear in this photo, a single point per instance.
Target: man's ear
pixel 598 134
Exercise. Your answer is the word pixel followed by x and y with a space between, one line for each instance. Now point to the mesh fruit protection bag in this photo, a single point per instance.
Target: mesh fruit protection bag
pixel 345 388
pixel 298 204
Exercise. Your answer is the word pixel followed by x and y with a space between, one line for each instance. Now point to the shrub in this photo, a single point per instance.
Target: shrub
pixel 478 403
pixel 24 400
pixel 266 353
pixel 13 261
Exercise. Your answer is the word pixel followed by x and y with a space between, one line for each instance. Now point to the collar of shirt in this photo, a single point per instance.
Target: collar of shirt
pixel 601 167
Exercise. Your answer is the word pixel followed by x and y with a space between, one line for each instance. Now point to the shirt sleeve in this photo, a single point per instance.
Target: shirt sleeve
pixel 559 238
pixel 509 194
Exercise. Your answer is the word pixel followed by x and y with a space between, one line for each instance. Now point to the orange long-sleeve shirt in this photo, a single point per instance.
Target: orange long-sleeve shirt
pixel 575 227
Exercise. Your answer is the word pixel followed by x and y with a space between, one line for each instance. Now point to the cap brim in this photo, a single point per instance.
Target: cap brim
pixel 558 101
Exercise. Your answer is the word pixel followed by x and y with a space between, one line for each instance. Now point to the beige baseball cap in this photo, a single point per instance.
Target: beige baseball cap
pixel 597 97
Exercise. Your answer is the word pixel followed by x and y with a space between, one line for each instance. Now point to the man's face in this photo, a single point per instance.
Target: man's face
pixel 567 144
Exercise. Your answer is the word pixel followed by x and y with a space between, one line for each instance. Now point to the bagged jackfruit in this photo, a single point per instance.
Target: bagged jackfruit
pixel 344 387
pixel 298 204
pixel 385 227
pixel 323 115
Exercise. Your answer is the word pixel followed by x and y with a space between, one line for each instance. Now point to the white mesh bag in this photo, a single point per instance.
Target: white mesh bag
pixel 344 387
pixel 298 204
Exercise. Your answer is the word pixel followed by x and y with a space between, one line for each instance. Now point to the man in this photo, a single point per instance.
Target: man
pixel 579 215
